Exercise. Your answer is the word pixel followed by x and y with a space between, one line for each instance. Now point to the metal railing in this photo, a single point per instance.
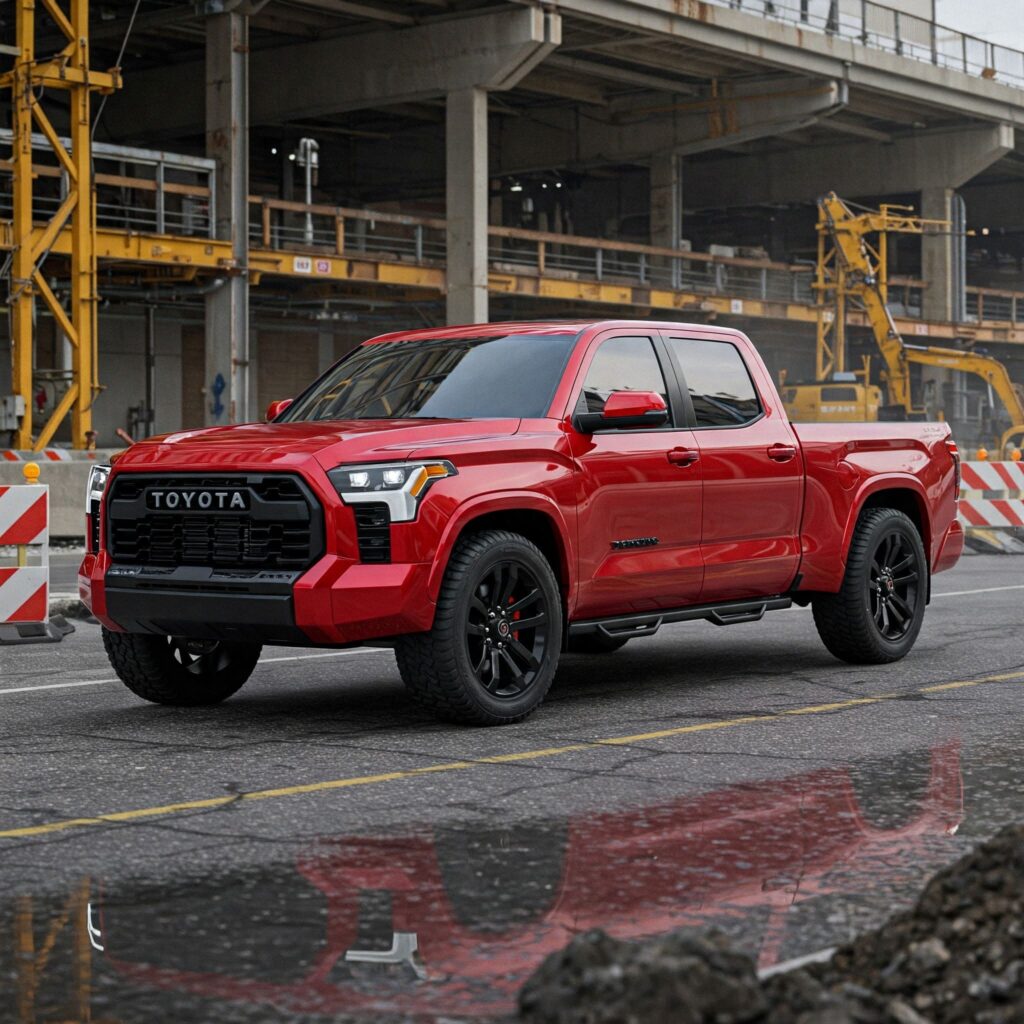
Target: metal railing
pixel 172 194
pixel 136 189
pixel 277 224
pixel 886 28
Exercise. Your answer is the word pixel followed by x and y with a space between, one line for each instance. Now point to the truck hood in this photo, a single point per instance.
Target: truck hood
pixel 288 445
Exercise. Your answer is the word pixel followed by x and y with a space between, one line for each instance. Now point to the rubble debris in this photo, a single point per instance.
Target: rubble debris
pixel 957 956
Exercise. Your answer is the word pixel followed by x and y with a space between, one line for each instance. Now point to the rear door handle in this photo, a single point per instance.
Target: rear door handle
pixel 782 452
pixel 683 456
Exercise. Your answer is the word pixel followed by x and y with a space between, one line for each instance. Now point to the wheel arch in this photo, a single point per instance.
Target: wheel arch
pixel 529 515
pixel 906 495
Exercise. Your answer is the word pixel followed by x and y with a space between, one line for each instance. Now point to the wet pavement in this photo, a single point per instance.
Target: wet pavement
pixel 318 848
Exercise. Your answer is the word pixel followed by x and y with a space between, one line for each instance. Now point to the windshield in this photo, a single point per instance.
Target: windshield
pixel 504 375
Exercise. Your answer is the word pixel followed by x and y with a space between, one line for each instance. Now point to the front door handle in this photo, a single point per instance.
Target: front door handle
pixel 683 456
pixel 782 452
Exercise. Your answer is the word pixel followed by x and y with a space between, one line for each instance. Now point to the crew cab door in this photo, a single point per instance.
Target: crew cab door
pixel 752 468
pixel 638 489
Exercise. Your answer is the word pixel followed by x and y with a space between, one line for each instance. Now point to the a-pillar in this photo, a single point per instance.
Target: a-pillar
pixel 227 142
pixel 666 209
pixel 937 259
pixel 466 206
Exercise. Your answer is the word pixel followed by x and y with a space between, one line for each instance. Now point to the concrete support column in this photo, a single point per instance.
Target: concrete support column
pixel 937 256
pixel 666 199
pixel 227 141
pixel 466 205
pixel 324 351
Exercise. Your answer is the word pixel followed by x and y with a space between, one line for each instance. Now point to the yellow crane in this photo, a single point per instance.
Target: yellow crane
pixel 852 273
pixel 33 78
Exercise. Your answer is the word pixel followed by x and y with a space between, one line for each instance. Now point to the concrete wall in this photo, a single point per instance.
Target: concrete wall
pixel 66 481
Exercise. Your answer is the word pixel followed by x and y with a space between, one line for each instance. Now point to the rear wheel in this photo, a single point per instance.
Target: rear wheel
pixel 877 614
pixel 493 651
pixel 179 671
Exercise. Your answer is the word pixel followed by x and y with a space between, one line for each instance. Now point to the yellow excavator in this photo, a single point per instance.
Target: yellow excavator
pixel 852 272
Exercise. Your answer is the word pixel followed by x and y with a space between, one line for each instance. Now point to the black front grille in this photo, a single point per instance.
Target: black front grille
pixel 282 529
pixel 373 531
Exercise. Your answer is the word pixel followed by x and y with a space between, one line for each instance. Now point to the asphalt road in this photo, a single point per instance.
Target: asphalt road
pixel 319 848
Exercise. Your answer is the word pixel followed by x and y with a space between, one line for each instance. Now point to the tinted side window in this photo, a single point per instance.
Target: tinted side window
pixel 621 364
pixel 720 387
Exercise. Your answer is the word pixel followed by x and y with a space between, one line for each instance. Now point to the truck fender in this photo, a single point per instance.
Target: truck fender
pixel 889 482
pixel 506 501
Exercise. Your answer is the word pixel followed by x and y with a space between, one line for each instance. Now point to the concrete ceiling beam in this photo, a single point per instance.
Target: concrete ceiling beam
pixel 739 35
pixel 946 159
pixel 353 72
pixel 764 109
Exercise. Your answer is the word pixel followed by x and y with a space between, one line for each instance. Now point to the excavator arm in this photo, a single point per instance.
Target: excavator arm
pixel 864 279
pixel 989 369
pixel 860 272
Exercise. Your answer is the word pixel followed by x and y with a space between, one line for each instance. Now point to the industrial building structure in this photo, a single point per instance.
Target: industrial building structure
pixel 275 180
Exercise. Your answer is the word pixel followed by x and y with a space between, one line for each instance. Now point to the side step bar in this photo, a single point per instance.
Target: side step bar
pixel 729 613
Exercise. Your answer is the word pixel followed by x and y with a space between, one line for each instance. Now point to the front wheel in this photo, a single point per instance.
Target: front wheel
pixel 493 651
pixel 178 671
pixel 877 614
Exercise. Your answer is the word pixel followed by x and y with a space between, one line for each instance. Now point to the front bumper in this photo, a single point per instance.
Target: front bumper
pixel 336 602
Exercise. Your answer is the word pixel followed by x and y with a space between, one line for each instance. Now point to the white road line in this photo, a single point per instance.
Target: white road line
pixel 982 590
pixel 52 686
pixel 263 661
pixel 381 650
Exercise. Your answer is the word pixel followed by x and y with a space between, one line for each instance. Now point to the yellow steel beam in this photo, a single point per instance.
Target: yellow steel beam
pixel 29 80
pixel 22 264
pixel 202 255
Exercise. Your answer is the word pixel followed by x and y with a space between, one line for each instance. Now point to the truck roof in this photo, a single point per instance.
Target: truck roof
pixel 540 327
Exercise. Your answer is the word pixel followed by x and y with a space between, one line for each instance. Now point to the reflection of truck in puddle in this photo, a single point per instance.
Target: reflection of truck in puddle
pixel 436 922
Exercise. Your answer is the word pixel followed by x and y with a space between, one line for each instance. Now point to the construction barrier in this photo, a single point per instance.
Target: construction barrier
pixel 25 564
pixel 992 505
pixel 66 473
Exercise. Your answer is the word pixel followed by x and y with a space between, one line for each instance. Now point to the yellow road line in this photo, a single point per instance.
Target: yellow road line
pixel 452 766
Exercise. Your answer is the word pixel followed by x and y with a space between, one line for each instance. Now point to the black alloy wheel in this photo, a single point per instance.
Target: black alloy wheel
pixel 507 630
pixel 876 615
pixel 893 585
pixel 199 657
pixel 493 650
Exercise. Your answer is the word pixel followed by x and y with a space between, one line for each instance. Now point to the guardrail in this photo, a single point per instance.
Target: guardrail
pixel 885 28
pixel 136 189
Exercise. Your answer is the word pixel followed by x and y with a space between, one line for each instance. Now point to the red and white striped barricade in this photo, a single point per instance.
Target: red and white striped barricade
pixel 25 565
pixel 992 495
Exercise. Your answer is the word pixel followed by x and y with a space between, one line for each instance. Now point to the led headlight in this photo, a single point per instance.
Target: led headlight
pixel 399 485
pixel 94 490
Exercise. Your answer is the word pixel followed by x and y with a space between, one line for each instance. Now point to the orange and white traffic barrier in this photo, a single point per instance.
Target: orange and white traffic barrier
pixel 992 495
pixel 25 584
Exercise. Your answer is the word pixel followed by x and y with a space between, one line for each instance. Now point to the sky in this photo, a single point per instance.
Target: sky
pixel 999 21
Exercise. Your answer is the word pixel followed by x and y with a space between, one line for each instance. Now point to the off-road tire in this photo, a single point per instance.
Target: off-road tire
pixel 149 667
pixel 845 620
pixel 436 666
pixel 596 643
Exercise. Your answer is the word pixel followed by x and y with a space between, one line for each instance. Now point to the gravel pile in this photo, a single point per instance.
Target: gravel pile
pixel 956 958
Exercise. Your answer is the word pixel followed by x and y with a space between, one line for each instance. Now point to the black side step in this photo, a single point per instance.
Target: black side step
pixel 729 613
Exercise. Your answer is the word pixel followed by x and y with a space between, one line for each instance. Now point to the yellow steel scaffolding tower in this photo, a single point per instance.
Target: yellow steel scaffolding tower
pixel 66 71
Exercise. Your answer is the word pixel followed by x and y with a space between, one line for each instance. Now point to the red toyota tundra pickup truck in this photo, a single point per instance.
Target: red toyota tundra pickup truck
pixel 484 498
